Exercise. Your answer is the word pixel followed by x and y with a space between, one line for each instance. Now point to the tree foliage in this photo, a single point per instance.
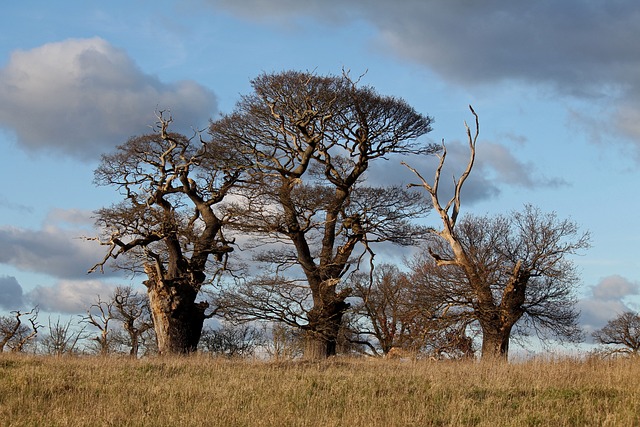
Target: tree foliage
pixel 285 175
pixel 394 313
pixel 232 341
pixel 521 276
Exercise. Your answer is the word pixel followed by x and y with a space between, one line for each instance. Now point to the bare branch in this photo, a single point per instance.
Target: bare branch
pixel 449 220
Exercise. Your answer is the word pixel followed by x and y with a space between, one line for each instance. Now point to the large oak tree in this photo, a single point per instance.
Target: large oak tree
pixel 311 139
pixel 168 225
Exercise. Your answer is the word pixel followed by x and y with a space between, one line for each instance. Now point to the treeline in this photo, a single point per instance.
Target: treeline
pixel 393 332
pixel 269 218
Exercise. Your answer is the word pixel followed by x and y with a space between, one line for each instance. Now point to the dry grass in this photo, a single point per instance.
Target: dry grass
pixel 197 391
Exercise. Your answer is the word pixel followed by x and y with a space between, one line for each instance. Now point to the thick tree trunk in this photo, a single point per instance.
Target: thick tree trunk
pixel 495 342
pixel 324 326
pixel 316 347
pixel 177 318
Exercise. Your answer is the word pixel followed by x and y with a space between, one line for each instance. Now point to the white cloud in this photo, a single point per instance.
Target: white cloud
pixel 614 287
pixel 627 120
pixel 496 159
pixel 82 97
pixel 495 167
pixel 79 218
pixel 607 300
pixel 9 205
pixel 69 296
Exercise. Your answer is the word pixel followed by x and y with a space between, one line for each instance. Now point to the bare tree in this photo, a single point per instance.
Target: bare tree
pixel 99 315
pixel 232 341
pixel 311 139
pixel 623 333
pixel 14 334
pixel 284 342
pixel 506 268
pixel 62 338
pixel 384 308
pixel 132 309
pixel 168 225
pixel 393 310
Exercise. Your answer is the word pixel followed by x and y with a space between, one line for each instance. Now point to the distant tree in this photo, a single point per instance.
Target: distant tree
pixel 100 315
pixel 311 140
pixel 503 270
pixel 62 338
pixel 132 310
pixel 623 333
pixel 168 224
pixel 384 308
pixel 283 342
pixel 232 341
pixel 14 334
pixel 394 311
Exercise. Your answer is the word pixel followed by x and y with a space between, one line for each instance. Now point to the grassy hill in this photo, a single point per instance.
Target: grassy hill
pixel 199 391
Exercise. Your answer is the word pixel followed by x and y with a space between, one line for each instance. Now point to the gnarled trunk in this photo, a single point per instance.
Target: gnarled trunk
pixel 325 321
pixel 177 318
pixel 495 341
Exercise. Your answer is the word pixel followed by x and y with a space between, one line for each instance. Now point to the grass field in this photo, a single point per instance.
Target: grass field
pixel 197 391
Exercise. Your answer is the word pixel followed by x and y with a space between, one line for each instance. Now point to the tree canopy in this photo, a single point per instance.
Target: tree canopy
pixel 168 223
pixel 310 140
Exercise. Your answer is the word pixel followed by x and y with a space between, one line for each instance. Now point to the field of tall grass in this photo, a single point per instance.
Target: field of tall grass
pixel 199 391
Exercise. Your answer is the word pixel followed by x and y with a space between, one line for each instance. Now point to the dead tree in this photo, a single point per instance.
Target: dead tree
pixel 168 225
pixel 14 334
pixel 504 269
pixel 62 338
pixel 99 315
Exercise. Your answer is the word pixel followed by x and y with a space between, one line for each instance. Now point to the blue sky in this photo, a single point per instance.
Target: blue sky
pixel 556 85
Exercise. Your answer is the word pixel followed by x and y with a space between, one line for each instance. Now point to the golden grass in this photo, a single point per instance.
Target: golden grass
pixel 197 391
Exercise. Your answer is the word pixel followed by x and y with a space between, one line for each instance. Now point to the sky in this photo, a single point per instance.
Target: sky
pixel 556 86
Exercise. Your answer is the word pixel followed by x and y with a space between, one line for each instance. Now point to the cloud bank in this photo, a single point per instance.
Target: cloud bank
pixel 69 296
pixel 583 50
pixel 11 297
pixel 57 249
pixel 65 296
pixel 82 97
pixel 574 44
pixel 494 167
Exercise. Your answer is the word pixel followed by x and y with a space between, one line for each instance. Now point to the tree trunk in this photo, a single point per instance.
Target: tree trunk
pixel 316 347
pixel 135 344
pixel 177 318
pixel 324 326
pixel 495 342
